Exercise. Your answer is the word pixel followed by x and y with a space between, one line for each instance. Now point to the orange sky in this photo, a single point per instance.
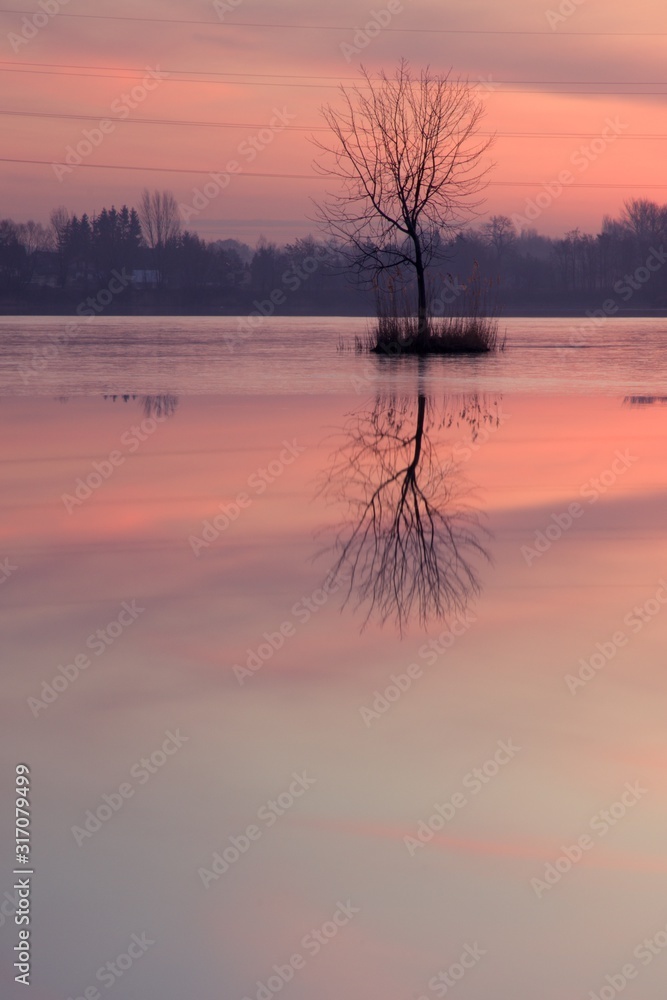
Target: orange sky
pixel 243 91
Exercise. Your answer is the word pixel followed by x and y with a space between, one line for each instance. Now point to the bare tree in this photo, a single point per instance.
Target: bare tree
pixel 160 222
pixel 34 236
pixel 409 157
pixel 499 234
pixel 645 220
pixel 410 541
pixel 9 231
pixel 59 220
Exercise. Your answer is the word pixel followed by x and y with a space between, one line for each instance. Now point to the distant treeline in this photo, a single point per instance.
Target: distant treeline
pixel 168 269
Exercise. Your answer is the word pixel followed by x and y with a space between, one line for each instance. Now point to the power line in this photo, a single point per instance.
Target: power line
pixel 307 177
pixel 141 73
pixel 347 28
pixel 490 86
pixel 306 128
pixel 201 72
pixel 568 135
pixel 630 186
pixel 161 121
pixel 315 76
pixel 167 170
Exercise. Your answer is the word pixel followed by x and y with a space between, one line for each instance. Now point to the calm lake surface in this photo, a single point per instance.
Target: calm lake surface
pixel 302 355
pixel 466 757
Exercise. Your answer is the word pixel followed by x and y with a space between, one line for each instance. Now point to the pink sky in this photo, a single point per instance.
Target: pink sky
pixel 244 92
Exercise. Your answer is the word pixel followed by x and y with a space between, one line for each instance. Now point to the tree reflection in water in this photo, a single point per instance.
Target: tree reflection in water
pixel 163 405
pixel 411 541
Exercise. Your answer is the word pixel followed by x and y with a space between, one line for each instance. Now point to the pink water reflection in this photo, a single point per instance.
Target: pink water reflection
pixel 504 678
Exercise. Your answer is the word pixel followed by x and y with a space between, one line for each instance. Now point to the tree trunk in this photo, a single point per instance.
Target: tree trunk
pixel 422 316
pixel 411 471
pixel 419 433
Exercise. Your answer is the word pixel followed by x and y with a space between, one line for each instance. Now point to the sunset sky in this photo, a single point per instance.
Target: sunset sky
pixel 265 58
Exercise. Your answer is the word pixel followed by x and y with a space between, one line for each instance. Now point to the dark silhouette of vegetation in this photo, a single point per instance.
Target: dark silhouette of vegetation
pixel 470 327
pixel 54 268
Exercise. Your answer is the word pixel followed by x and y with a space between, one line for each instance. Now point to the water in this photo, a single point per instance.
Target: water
pixel 302 355
pixel 172 513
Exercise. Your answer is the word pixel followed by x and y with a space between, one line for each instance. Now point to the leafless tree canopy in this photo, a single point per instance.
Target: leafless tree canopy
pixel 34 236
pixel 408 156
pixel 500 234
pixel 411 541
pixel 160 221
pixel 645 220
pixel 59 218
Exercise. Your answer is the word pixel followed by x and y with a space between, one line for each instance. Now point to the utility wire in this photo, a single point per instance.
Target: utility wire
pixel 344 27
pixel 487 86
pixel 342 79
pixel 305 128
pixel 308 177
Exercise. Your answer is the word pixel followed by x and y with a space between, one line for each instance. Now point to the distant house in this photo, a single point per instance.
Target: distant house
pixel 143 278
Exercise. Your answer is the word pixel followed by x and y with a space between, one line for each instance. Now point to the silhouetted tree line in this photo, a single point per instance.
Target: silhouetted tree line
pixel 50 268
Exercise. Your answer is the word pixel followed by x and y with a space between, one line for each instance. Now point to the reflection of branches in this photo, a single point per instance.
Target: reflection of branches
pixel 468 408
pixel 154 406
pixel 645 401
pixel 410 541
pixel 160 406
